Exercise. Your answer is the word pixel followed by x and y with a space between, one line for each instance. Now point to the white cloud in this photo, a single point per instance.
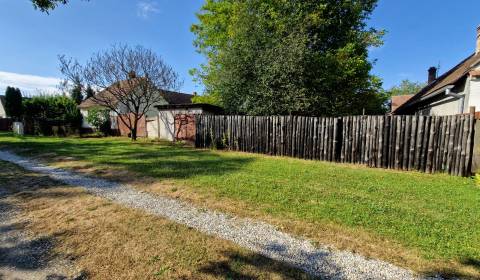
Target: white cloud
pixel 146 8
pixel 29 84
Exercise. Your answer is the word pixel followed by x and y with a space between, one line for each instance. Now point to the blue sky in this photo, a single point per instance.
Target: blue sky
pixel 420 34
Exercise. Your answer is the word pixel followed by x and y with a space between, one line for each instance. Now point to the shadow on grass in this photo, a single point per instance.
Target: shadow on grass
pixel 16 251
pixel 474 263
pixel 236 266
pixel 20 254
pixel 163 162
pixel 28 254
pixel 453 273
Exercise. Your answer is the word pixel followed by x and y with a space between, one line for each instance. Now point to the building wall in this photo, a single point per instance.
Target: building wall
pixel 85 124
pixel 166 124
pixel 125 131
pixel 185 128
pixel 2 111
pixel 450 106
pixel 475 93
pixel 474 89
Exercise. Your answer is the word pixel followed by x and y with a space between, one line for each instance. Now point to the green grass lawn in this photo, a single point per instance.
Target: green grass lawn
pixel 436 215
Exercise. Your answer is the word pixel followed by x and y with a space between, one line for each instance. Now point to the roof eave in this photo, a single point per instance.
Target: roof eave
pixel 424 98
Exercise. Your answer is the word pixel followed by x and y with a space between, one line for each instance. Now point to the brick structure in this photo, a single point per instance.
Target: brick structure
pixel 123 130
pixel 185 127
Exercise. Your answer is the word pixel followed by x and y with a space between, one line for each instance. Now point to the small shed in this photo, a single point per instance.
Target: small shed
pixel 177 121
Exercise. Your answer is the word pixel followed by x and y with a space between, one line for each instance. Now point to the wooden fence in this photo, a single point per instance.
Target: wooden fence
pixel 5 124
pixel 425 143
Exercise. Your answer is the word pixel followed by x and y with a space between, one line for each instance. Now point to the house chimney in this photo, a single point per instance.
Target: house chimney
pixel 432 74
pixel 477 50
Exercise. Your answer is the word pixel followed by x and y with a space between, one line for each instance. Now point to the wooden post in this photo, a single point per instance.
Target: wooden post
pixel 471 110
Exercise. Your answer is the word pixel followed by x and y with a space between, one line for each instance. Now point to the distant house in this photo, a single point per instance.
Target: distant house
pixel 148 125
pixel 399 100
pixel 3 114
pixel 452 93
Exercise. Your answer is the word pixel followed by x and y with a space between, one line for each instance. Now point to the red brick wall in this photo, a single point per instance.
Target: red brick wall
pixel 125 131
pixel 185 127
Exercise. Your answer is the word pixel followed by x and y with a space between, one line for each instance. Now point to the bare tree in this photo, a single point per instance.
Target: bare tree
pixel 129 80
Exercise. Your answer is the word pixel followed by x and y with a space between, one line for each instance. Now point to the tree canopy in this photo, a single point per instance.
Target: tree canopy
pixel 89 92
pixel 288 57
pixel 46 5
pixel 13 103
pixel 76 93
pixel 406 87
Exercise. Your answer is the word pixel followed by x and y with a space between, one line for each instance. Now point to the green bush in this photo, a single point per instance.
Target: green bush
pixel 46 112
pixel 100 120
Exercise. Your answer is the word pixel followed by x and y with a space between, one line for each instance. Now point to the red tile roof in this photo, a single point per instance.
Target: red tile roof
pixel 170 96
pixel 399 100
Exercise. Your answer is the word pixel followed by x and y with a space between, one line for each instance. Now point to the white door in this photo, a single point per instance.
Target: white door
pixel 152 128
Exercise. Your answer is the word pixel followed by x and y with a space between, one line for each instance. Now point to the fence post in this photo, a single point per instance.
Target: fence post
pixel 476 142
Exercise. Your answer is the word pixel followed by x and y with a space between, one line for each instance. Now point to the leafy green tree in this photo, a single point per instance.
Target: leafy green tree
pixel 89 92
pixel 288 57
pixel 100 120
pixel 13 103
pixel 76 93
pixel 406 87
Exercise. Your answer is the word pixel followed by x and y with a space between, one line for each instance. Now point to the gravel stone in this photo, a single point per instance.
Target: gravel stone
pixel 257 236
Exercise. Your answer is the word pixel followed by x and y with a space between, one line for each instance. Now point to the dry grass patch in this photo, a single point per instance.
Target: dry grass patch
pixel 113 242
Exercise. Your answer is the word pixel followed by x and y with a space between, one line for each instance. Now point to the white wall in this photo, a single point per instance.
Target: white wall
pixel 474 89
pixel 2 111
pixel 475 93
pixel 452 107
pixel 85 124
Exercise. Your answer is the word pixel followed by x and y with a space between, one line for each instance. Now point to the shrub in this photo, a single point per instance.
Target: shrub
pixel 44 112
pixel 100 120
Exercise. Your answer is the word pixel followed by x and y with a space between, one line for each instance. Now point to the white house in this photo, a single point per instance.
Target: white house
pixel 3 114
pixel 146 127
pixel 452 93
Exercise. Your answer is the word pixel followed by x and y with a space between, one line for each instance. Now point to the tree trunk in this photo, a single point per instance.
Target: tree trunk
pixel 133 131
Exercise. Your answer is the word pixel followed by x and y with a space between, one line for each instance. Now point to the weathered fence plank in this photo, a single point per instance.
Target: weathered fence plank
pixel 425 143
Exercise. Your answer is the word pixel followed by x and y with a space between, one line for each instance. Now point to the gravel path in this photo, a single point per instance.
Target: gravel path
pixel 256 236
